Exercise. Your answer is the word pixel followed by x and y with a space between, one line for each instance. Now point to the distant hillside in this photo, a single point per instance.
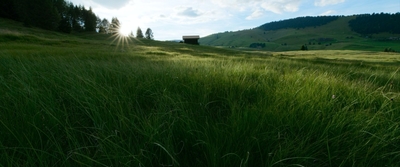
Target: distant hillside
pixel 300 22
pixel 317 33
pixel 376 23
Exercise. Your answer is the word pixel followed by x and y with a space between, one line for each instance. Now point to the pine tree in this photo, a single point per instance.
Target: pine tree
pixel 90 20
pixel 149 34
pixel 76 18
pixel 104 26
pixel 139 33
pixel 62 9
pixel 131 35
pixel 114 26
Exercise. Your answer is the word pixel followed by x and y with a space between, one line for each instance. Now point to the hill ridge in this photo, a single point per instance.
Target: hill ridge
pixel 335 34
pixel 299 22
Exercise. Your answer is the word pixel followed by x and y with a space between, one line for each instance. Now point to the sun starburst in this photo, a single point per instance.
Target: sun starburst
pixel 121 37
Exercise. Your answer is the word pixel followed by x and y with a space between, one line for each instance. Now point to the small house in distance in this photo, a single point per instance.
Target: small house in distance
pixel 191 39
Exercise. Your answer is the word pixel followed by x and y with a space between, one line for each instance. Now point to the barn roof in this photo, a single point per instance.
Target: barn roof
pixel 191 37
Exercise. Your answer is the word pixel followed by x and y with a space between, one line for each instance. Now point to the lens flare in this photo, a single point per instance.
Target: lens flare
pixel 123 30
pixel 121 37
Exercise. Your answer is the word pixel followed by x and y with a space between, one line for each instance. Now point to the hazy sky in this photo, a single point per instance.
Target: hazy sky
pixel 170 19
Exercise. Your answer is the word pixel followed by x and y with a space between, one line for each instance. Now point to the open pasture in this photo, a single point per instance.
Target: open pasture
pixel 85 101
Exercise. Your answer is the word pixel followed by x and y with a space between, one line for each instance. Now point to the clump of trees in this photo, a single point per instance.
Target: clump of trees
pixel 148 34
pixel 60 15
pixel 389 50
pixel 376 23
pixel 304 47
pixel 257 45
pixel 50 14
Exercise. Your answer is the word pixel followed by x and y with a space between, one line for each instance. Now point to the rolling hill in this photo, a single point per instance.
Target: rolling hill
pixel 332 35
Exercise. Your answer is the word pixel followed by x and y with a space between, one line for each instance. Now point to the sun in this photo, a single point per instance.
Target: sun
pixel 124 31
pixel 121 37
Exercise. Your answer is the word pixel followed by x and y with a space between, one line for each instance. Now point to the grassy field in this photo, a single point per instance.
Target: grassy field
pixel 83 100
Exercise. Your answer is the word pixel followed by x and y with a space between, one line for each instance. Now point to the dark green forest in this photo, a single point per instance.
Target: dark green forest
pixel 363 23
pixel 257 45
pixel 376 23
pixel 299 22
pixel 56 15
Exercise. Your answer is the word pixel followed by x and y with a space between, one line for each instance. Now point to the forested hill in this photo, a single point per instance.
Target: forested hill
pixel 375 32
pixel 376 23
pixel 299 22
pixel 57 15
pixel 363 23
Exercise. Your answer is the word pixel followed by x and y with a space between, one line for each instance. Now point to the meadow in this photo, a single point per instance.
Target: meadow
pixel 83 100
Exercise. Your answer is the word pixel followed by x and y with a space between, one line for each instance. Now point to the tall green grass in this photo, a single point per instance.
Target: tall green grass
pixel 163 104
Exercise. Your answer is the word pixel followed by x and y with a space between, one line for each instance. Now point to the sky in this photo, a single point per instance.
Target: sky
pixel 171 19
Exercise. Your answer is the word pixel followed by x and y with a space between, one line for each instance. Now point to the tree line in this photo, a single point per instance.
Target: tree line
pixel 376 23
pixel 299 22
pixel 50 15
pixel 59 15
pixel 257 45
pixel 105 27
pixel 363 23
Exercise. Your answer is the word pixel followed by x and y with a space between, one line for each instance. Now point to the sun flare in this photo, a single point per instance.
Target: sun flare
pixel 124 31
pixel 121 37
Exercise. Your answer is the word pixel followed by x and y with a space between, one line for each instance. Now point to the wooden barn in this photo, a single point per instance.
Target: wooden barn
pixel 191 39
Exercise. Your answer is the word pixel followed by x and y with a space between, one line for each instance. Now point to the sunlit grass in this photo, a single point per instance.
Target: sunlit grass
pixel 80 103
pixel 366 56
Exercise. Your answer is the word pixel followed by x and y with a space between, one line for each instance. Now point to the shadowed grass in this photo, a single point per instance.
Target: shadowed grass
pixel 166 104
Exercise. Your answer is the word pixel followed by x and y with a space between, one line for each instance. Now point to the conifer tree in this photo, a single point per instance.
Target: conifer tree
pixel 114 26
pixel 131 35
pixel 76 17
pixel 90 20
pixel 139 33
pixel 104 26
pixel 149 34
